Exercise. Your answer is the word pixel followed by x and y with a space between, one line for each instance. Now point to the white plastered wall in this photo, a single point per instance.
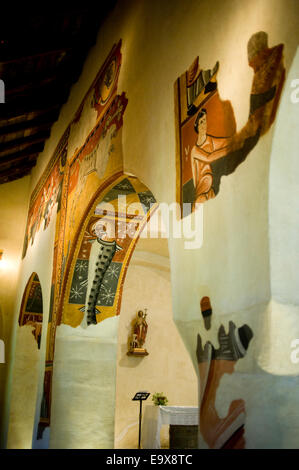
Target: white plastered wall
pixel 168 367
pixel 21 422
pixel 13 213
pixel 160 41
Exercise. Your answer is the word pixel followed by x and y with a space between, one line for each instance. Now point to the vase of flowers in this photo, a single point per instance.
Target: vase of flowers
pixel 159 399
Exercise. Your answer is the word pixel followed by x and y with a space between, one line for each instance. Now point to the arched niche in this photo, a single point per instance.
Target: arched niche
pixel 167 367
pixel 32 307
pixel 79 390
pixel 26 366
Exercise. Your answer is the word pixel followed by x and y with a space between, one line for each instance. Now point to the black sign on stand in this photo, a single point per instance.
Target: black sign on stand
pixel 140 396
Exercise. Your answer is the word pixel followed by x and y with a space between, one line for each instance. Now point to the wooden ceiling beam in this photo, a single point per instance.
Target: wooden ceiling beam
pixel 18 162
pixel 44 92
pixel 17 170
pixel 20 144
pixel 33 104
pixel 29 86
pixel 29 151
pixel 43 120
pixel 20 118
pixel 15 176
pixel 22 80
pixel 12 136
pixel 24 59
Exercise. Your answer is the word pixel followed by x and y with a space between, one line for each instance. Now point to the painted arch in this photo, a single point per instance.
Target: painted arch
pixel 31 312
pixel 125 205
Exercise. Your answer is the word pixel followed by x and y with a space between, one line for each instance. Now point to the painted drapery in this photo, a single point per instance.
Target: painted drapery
pixel 208 146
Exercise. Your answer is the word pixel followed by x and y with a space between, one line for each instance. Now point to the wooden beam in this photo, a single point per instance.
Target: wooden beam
pixel 46 119
pixel 29 86
pixel 19 164
pixel 16 170
pixel 20 118
pixel 11 136
pixel 14 176
pixel 34 103
pixel 44 54
pixel 32 150
pixel 23 142
pixel 15 158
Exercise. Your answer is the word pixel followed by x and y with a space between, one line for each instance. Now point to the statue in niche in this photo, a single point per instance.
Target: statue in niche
pixel 138 336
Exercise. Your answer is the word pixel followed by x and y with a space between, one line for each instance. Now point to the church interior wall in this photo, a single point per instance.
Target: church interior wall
pixel 246 250
pixel 13 220
pixel 148 286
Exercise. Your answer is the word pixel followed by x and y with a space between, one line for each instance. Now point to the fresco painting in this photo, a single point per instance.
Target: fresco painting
pixel 46 196
pixel 100 212
pixel 87 291
pixel 32 307
pixel 208 146
pixel 107 215
pixel 227 432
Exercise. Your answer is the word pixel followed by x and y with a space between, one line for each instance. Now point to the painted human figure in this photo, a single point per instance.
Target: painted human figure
pixel 213 157
pixel 226 431
pixel 106 249
pixel 140 328
pixel 207 149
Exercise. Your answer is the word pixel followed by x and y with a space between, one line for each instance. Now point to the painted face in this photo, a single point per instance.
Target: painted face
pixel 105 229
pixel 202 124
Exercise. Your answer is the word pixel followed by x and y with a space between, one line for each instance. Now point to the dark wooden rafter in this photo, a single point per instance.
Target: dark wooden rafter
pixel 18 118
pixel 18 163
pixel 42 51
pixel 23 142
pixel 30 131
pixel 46 119
pixel 34 149
pixel 15 172
pixel 30 87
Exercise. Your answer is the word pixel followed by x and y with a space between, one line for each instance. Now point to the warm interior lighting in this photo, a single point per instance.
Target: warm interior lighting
pixel 2 261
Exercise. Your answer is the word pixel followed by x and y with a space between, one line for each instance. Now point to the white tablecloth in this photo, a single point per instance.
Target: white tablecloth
pixel 156 416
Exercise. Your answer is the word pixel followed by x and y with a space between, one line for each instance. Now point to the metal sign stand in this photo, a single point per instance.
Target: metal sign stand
pixel 140 396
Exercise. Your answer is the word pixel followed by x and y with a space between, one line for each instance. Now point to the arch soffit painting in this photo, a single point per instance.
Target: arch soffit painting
pixel 126 204
pixel 31 311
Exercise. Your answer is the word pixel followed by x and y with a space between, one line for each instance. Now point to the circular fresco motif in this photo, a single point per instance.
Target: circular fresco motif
pixel 108 81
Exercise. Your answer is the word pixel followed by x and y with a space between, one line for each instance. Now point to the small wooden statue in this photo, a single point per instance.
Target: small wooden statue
pixel 138 335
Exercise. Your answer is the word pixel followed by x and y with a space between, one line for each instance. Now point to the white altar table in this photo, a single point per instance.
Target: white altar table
pixel 156 416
